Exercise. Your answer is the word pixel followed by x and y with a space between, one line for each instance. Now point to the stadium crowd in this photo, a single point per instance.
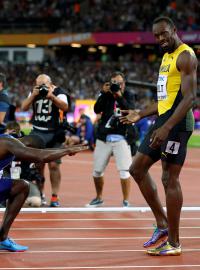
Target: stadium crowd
pixel 83 77
pixel 83 80
pixel 95 15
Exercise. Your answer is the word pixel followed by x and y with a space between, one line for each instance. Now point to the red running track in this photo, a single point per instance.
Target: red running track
pixel 103 240
pixel 96 241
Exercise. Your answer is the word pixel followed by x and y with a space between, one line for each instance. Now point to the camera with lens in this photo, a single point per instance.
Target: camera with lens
pixel 114 87
pixel 114 122
pixel 43 90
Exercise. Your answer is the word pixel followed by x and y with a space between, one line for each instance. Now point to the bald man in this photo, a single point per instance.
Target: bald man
pixel 47 100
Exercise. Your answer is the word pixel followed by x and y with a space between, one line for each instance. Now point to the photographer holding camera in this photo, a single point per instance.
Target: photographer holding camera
pixel 47 100
pixel 112 136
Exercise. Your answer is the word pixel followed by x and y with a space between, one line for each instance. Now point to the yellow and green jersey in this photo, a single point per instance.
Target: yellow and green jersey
pixel 169 86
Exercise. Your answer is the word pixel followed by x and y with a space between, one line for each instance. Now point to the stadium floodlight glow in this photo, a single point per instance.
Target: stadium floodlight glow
pixel 136 46
pixel 32 46
pixel 120 44
pixel 149 47
pixel 92 49
pixel 103 49
pixel 76 45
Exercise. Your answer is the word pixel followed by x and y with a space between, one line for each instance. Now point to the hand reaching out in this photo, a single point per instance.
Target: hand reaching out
pixel 72 150
pixel 129 116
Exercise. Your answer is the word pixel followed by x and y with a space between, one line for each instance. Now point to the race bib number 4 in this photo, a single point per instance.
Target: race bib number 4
pixel 172 147
pixel 162 87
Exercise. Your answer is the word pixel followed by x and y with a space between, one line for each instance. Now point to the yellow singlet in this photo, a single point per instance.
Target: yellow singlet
pixel 169 79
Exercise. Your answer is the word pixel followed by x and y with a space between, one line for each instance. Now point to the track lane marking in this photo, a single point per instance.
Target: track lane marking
pixel 94 238
pixel 91 228
pixel 91 219
pixel 102 267
pixel 92 251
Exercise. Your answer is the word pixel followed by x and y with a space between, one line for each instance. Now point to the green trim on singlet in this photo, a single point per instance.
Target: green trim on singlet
pixel 189 121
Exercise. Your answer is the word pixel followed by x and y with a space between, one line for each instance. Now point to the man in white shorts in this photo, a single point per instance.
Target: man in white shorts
pixel 112 136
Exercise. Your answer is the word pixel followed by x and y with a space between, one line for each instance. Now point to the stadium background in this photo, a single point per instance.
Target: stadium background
pixel 78 43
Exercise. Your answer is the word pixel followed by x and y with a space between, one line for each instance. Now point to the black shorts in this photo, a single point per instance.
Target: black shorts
pixel 172 150
pixel 48 138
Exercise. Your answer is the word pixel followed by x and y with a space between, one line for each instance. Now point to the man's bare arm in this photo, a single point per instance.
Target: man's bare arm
pixel 39 155
pixel 59 103
pixel 30 99
pixel 133 116
pixel 150 110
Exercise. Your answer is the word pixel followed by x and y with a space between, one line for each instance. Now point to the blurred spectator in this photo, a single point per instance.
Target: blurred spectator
pixel 84 134
pixel 85 131
pixel 13 128
pixel 142 126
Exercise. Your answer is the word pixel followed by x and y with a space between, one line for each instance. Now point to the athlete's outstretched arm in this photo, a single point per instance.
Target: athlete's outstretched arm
pixel 39 155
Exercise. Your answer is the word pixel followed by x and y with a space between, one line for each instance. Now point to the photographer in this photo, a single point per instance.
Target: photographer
pixel 112 136
pixel 84 132
pixel 46 100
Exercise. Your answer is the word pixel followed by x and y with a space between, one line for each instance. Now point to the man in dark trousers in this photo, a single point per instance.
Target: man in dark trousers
pixel 16 191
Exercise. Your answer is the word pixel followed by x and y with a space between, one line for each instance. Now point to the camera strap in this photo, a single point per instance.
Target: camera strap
pixel 108 124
